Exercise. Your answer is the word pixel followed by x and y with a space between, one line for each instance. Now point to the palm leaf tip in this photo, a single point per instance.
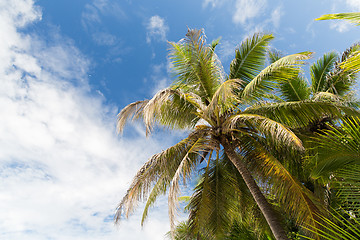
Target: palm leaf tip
pixel 132 111
pixel 353 17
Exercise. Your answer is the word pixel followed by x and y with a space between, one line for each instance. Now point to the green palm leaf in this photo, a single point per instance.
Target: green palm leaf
pixel 196 65
pixel 250 57
pixel 338 148
pixel 272 130
pixel 301 114
pixel 280 71
pixel 353 17
pixel 219 198
pixel 294 197
pixel 320 70
pixel 160 167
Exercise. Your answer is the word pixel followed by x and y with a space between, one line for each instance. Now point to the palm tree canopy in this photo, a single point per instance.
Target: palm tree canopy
pixel 214 106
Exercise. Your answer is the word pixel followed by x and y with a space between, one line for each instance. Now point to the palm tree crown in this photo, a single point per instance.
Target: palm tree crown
pixel 225 114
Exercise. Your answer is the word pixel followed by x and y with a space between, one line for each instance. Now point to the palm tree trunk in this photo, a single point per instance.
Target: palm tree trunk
pixel 259 198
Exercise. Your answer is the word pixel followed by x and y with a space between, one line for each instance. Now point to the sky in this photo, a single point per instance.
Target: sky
pixel 68 67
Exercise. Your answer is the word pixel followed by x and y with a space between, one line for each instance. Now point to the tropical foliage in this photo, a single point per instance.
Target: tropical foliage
pixel 236 130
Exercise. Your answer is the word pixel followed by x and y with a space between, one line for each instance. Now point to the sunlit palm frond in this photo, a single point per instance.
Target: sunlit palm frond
pixel 181 111
pixel 282 70
pixel 292 89
pixel 340 81
pixel 196 65
pixel 181 232
pixel 327 96
pixel 272 130
pixel 352 63
pixel 295 89
pixel 172 108
pixel 131 111
pixel 250 57
pixel 183 171
pixel 338 148
pixel 220 197
pixel 225 98
pixel 152 109
pixel 160 167
pixel 353 17
pixel 320 70
pixel 336 226
pixel 299 114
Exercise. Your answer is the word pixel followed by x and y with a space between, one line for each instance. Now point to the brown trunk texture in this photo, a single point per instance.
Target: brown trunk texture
pixel 259 198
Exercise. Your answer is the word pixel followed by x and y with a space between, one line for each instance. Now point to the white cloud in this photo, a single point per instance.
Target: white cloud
pixel 276 16
pixel 227 49
pixel 62 168
pixel 93 13
pixel 158 76
pixel 247 9
pixel 340 26
pixel 103 38
pixel 91 20
pixel 213 3
pixel 156 29
pixel 353 4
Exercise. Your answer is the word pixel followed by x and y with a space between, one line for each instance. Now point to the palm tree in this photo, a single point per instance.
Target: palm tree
pixel 337 167
pixel 328 82
pixel 223 114
pixel 353 17
pixel 353 63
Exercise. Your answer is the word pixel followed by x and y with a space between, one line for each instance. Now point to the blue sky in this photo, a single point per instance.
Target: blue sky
pixel 68 67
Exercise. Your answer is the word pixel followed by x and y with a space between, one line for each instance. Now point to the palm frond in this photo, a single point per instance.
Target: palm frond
pixel 272 130
pixel 295 89
pixel 298 201
pixel 352 63
pixel 346 183
pixel 184 169
pixel 220 197
pixel 285 68
pixel 353 17
pixel 320 70
pixel 165 108
pixel 181 111
pixel 292 89
pixel 160 167
pixel 250 57
pixel 336 226
pixel 196 65
pixel 338 148
pixel 299 114
pixel 339 81
pixel 224 98
pixel 131 111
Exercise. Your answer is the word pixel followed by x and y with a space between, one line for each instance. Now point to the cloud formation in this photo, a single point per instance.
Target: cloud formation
pixel 92 19
pixel 62 168
pixel 156 29
pixel 247 9
pixel 353 4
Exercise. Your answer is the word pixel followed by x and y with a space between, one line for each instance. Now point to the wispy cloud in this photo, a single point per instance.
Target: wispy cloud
pixel 341 26
pixel 276 16
pixel 92 20
pixel 156 29
pixel 353 4
pixel 247 9
pixel 62 168
pixel 103 38
pixel 212 3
